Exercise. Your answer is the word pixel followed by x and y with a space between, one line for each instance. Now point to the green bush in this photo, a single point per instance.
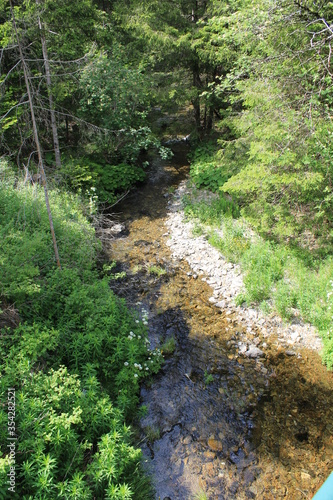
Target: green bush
pixel 96 328
pixel 76 359
pixel 101 182
pixel 207 170
pixel 61 421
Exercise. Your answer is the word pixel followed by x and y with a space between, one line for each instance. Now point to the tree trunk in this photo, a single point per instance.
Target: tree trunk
pixel 196 100
pixel 210 116
pixel 49 91
pixel 35 131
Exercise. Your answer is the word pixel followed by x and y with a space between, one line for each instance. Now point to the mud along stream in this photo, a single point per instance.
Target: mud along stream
pixel 217 422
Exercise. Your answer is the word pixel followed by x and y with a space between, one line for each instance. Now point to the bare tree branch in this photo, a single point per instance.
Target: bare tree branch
pixel 11 109
pixel 40 157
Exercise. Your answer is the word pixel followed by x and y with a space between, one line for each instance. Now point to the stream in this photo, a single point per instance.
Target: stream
pixel 217 423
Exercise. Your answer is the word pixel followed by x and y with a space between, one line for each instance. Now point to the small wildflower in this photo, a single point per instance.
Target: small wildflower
pixel 126 364
pixel 139 337
pixel 137 321
pixel 135 375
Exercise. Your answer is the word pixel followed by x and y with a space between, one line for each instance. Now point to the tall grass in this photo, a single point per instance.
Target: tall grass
pixel 291 280
pixel 76 359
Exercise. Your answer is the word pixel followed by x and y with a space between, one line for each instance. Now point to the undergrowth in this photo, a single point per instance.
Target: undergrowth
pixel 76 359
pixel 292 281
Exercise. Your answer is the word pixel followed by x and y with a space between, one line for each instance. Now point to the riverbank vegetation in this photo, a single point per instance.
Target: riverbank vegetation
pixel 270 156
pixel 73 352
pixel 279 278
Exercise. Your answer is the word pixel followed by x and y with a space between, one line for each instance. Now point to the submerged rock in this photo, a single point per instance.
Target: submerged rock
pixel 214 444
pixel 254 352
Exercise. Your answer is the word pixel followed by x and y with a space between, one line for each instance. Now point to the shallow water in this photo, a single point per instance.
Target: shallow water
pixel 217 422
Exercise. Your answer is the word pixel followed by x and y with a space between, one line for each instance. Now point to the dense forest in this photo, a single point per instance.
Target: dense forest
pixel 81 85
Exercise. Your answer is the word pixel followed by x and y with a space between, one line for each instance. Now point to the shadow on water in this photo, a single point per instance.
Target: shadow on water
pixel 216 421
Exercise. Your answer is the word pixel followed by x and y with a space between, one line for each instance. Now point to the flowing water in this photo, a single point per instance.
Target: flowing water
pixel 216 422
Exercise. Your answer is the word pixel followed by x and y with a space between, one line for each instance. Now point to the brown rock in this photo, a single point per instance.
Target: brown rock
pixel 214 444
pixel 187 440
pixel 208 469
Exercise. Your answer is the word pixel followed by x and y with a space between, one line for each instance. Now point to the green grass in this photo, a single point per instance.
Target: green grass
pixel 201 495
pixel 288 280
pixel 233 244
pixel 211 213
pixel 157 270
pixel 197 230
pixel 153 433
pixel 169 346
pixel 208 378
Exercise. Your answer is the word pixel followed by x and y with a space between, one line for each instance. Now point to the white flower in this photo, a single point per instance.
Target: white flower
pixel 139 337
pixel 135 375
pixel 126 364
pixel 147 369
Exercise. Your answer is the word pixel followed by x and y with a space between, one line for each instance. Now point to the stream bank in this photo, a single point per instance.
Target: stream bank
pixel 227 415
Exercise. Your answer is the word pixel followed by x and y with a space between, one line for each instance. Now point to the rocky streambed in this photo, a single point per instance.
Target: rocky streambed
pixel 243 407
pixel 226 282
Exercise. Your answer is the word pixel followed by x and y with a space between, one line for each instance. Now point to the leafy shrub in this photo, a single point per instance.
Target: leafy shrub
pixel 104 182
pixel 76 368
pixel 206 168
pixel 96 328
pixel 61 422
pixel 113 179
